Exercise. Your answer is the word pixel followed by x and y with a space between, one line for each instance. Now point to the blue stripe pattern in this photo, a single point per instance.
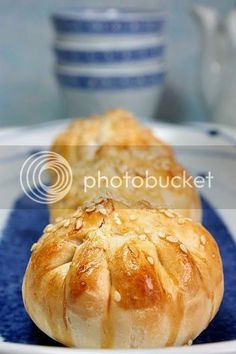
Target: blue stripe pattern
pixel 110 83
pixel 111 56
pixel 75 26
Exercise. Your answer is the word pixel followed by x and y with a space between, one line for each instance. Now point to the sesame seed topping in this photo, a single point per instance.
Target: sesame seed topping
pixel 181 221
pixel 168 213
pixel 190 342
pixel 89 204
pixel 155 238
pixel 78 213
pixel 188 219
pixel 213 255
pixel 203 239
pixel 90 209
pixel 147 230
pixel 183 248
pixel 79 224
pixel 59 225
pixel 165 164
pixel 142 237
pixel 48 228
pixel 66 222
pixel 34 245
pixel 150 260
pixel 117 296
pixel 99 200
pixel 172 239
pixel 117 219
pixel 123 168
pixel 161 234
pixel 132 217
pixel 105 196
pixel 176 213
pixel 102 211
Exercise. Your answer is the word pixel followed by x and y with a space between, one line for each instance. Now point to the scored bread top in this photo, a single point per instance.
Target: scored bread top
pixel 110 276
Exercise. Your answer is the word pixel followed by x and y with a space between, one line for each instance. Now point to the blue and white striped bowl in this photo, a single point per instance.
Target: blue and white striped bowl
pixel 87 44
pixel 96 21
pixel 89 89
pixel 122 78
pixel 104 53
pixel 108 58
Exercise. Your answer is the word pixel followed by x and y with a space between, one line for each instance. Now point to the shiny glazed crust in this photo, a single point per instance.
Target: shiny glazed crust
pixel 114 144
pixel 137 163
pixel 117 127
pixel 113 277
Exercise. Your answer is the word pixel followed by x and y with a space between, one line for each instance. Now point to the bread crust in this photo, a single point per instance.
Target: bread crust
pixel 109 276
pixel 115 144
pixel 114 128
pixel 119 164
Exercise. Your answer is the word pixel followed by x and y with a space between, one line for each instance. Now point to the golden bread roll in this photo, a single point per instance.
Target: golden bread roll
pixel 113 277
pixel 83 137
pixel 150 181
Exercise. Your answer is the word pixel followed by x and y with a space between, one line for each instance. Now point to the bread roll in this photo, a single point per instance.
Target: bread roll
pixel 115 144
pixel 113 277
pixel 84 137
pixel 145 167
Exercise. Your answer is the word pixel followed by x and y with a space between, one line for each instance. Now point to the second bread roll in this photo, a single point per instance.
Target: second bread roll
pixel 141 177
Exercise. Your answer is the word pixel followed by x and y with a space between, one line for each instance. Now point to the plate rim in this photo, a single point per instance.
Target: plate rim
pixel 224 347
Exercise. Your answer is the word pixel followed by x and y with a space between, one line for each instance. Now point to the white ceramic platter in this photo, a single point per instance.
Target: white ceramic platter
pixel 186 140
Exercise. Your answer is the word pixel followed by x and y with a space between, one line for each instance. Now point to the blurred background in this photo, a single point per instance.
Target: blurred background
pixel 29 92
